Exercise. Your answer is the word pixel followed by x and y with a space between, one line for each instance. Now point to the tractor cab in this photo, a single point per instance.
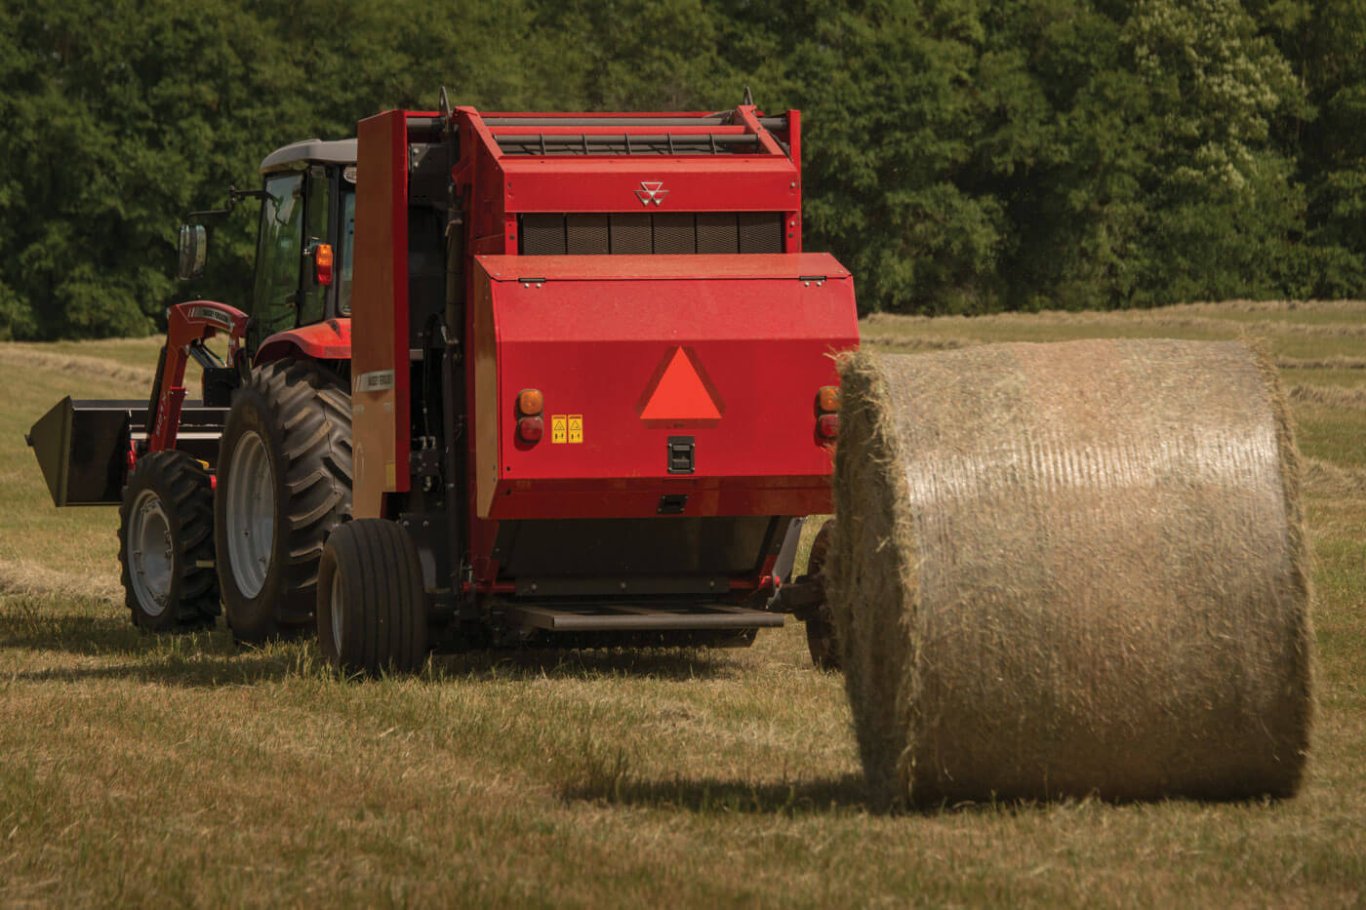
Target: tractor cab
pixel 304 247
pixel 304 241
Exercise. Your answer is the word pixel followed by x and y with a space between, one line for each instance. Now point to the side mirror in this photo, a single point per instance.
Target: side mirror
pixel 194 250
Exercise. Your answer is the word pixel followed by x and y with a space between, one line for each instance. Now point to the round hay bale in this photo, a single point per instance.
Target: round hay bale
pixel 1071 569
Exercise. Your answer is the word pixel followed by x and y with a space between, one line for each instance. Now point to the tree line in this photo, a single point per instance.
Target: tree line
pixel 961 156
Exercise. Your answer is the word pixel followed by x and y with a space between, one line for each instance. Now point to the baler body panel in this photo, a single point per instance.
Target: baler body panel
pixel 379 314
pixel 687 185
pixel 722 353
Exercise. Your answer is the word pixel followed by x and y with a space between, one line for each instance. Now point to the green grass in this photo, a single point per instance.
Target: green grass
pixel 184 771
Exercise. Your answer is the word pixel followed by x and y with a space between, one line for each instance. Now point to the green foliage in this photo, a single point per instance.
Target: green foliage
pixel 960 155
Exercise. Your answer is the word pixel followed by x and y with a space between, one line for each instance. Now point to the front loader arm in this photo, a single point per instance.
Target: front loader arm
pixel 188 326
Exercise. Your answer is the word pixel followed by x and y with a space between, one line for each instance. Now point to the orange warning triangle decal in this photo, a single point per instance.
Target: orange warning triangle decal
pixel 680 393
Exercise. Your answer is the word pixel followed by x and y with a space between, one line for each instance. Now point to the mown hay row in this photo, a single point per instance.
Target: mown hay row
pixel 30 579
pixel 1323 478
pixel 78 364
pixel 1338 362
pixel 1348 398
pixel 1071 569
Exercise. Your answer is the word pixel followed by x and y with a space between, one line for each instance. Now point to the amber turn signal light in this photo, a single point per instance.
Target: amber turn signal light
pixel 530 402
pixel 322 264
pixel 828 399
pixel 530 429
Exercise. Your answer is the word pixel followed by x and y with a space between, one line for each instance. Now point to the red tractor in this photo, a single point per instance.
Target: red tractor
pixel 551 379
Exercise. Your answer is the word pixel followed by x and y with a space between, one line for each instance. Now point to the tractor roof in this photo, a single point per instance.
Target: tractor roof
pixel 310 151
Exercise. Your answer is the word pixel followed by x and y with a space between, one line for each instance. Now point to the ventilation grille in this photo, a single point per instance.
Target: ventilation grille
pixel 704 232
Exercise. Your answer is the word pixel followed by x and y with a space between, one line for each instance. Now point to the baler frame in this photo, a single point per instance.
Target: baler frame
pixel 486 177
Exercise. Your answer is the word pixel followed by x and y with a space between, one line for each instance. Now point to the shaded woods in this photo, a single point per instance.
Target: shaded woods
pixel 962 156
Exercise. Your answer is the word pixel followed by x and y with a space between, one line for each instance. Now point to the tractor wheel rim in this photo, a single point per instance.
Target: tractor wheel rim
pixel 151 556
pixel 250 515
pixel 336 609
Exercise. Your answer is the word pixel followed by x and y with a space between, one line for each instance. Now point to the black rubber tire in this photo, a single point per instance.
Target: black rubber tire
pixel 184 490
pixel 370 575
pixel 302 413
pixel 820 627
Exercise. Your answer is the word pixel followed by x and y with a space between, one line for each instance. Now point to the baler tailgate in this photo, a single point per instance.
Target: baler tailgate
pixel 673 385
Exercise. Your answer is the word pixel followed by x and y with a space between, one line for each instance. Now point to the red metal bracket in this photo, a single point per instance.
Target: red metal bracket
pixel 187 323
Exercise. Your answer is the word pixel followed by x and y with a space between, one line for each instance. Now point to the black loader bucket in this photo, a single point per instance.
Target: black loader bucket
pixel 82 446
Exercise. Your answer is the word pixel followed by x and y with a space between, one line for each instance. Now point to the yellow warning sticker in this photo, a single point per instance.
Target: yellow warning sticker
pixel 575 428
pixel 559 428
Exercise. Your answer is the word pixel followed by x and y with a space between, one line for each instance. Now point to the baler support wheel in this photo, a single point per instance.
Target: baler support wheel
pixel 820 624
pixel 371 609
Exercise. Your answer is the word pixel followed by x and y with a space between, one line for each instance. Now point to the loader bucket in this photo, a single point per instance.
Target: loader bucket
pixel 82 446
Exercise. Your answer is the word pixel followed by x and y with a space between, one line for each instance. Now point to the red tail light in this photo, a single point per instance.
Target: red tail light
pixel 828 426
pixel 530 429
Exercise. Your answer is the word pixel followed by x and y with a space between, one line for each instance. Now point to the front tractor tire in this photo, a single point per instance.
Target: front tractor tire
pixel 166 544
pixel 372 611
pixel 284 483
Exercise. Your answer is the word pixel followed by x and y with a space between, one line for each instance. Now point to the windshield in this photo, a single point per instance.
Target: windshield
pixel 348 234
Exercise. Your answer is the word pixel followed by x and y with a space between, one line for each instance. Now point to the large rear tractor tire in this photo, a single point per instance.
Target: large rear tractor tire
pixel 166 544
pixel 820 627
pixel 372 611
pixel 284 483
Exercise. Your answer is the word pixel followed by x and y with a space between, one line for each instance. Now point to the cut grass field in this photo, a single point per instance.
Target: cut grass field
pixel 184 771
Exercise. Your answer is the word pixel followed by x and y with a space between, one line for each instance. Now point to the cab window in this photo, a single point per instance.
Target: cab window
pixel 318 217
pixel 347 252
pixel 279 256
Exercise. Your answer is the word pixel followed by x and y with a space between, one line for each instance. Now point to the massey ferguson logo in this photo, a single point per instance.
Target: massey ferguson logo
pixel 651 191
pixel 208 314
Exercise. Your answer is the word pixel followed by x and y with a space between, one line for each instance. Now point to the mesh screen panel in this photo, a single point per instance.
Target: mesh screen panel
pixel 543 235
pixel 632 234
pixel 675 233
pixel 586 235
pixel 654 232
pixel 717 232
pixel 761 232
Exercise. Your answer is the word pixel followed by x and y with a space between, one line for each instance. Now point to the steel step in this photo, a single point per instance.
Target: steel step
pixel 635 618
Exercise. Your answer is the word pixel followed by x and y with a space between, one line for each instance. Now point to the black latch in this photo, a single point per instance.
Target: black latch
pixel 672 503
pixel 681 454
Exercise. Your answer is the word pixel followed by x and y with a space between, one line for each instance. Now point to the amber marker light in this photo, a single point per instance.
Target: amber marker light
pixel 530 403
pixel 322 264
pixel 827 411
